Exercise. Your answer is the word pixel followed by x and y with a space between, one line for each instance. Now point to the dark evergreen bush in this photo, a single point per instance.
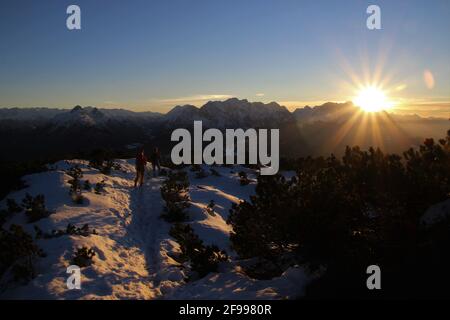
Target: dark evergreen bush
pixel 18 253
pixel 75 184
pixel 175 187
pixel 70 230
pixel 83 257
pixel 102 160
pixel 13 172
pixel 210 208
pixel 75 191
pixel 346 214
pixel 203 259
pixel 174 191
pixel 107 167
pixel 35 207
pixel 87 185
pixel 75 172
pixel 100 187
pixel 243 179
pixel 175 212
pixel 99 156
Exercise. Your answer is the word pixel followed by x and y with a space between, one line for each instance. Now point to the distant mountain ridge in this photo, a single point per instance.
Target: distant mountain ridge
pixel 87 115
pixel 230 113
pixel 325 112
pixel 317 130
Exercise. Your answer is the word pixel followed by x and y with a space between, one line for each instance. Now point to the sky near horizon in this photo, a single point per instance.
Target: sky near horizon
pixel 151 55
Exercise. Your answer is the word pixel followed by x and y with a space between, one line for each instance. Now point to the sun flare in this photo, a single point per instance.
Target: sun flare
pixel 372 99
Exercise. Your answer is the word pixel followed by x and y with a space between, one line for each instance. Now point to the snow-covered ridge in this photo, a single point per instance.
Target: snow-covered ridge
pixel 91 116
pixel 134 252
pixel 87 116
pixel 230 113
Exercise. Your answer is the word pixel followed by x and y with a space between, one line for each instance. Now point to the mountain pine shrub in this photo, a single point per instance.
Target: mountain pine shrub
pixel 203 259
pixel 71 229
pixel 75 184
pixel 75 172
pixel 75 191
pixel 243 179
pixel 35 207
pixel 210 208
pixel 18 254
pixel 174 191
pixel 100 187
pixel 346 214
pixel 83 257
pixel 87 185
pixel 106 167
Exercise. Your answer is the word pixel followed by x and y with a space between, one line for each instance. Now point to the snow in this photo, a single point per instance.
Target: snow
pixel 233 284
pixel 231 113
pixel 134 252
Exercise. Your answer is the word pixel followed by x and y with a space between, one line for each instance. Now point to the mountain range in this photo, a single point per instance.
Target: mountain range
pixel 318 130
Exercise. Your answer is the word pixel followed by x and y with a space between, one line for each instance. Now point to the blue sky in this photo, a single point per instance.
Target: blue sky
pixel 151 55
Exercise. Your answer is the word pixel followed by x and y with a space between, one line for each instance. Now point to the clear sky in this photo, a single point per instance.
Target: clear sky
pixel 154 54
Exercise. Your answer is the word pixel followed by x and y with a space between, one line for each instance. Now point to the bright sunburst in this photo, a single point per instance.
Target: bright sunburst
pixel 372 99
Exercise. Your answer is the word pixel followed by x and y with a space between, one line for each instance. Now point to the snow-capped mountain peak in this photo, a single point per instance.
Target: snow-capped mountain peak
pixel 230 113
pixel 88 116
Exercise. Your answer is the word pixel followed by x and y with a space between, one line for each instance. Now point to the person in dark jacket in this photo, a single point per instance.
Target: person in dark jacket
pixel 156 161
pixel 141 161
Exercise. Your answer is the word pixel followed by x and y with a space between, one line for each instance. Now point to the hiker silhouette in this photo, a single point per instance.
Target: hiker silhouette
pixel 141 162
pixel 155 158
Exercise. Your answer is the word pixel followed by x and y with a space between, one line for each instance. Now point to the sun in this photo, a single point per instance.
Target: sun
pixel 372 99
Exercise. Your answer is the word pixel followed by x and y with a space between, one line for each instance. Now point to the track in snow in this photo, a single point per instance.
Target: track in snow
pixel 146 226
